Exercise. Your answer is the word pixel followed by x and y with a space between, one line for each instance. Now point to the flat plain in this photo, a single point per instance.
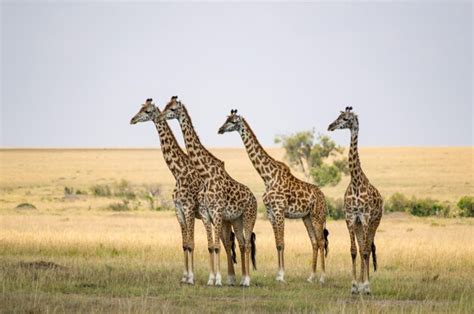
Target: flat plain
pixel 74 254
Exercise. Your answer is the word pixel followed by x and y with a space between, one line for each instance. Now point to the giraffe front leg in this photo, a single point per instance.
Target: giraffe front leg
pixel 184 236
pixel 190 218
pixel 364 287
pixel 278 224
pixel 355 286
pixel 206 220
pixel 217 247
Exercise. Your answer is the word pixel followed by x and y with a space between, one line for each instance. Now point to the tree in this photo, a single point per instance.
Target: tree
pixel 308 153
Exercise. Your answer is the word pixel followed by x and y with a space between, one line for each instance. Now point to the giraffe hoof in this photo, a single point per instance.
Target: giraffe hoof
pixel 364 288
pixel 322 279
pixel 184 279
pixel 245 282
pixel 190 280
pixel 354 288
pixel 310 278
pixel 231 280
pixel 218 281
pixel 210 282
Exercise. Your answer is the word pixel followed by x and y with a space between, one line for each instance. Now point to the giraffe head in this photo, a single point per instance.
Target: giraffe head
pixel 346 120
pixel 234 122
pixel 147 112
pixel 172 109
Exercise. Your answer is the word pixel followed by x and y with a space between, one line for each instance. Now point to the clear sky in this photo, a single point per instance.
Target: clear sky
pixel 72 75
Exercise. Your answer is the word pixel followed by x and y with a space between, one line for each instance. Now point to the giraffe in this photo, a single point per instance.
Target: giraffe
pixel 223 199
pixel 363 206
pixel 285 197
pixel 188 185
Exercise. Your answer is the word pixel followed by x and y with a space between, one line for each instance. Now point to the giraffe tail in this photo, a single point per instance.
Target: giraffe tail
pixel 253 250
pixel 232 247
pixel 326 242
pixel 374 257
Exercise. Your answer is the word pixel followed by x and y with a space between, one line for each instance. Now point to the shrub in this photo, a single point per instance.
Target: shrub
pixel 124 189
pixel 398 203
pixel 68 191
pixel 101 190
pixel 81 192
pixel 25 206
pixel 122 206
pixel 428 207
pixel 466 206
pixel 335 208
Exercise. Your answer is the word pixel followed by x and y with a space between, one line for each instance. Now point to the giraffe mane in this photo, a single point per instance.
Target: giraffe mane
pixel 220 162
pixel 279 163
pixel 173 137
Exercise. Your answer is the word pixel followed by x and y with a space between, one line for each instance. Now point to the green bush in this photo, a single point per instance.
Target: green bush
pixel 428 207
pixel 421 207
pixel 335 208
pixel 101 190
pixel 466 206
pixel 398 203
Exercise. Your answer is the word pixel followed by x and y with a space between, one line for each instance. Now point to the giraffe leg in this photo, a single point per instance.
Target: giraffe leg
pixel 354 288
pixel 249 223
pixel 190 217
pixel 318 226
pixel 360 243
pixel 184 236
pixel 365 288
pixel 226 240
pixel 361 234
pixel 314 244
pixel 206 220
pixel 238 228
pixel 217 219
pixel 278 224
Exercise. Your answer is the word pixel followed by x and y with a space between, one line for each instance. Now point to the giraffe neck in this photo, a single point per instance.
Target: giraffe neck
pixel 263 163
pixel 354 161
pixel 203 160
pixel 174 156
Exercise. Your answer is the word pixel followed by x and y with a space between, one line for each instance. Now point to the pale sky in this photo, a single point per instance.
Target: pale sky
pixel 72 75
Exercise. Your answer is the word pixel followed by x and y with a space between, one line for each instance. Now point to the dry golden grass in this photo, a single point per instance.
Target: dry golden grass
pixel 131 261
pixel 39 176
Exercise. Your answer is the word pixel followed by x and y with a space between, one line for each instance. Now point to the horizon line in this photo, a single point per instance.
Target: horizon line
pixel 212 147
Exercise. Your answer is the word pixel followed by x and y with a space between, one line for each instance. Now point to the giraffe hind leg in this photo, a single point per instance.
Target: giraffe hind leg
pixel 226 236
pixel 314 244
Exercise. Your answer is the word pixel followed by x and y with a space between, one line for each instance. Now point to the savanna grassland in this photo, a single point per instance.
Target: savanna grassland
pixel 75 252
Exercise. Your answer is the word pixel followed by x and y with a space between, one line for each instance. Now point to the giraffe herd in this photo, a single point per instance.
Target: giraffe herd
pixel 228 209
